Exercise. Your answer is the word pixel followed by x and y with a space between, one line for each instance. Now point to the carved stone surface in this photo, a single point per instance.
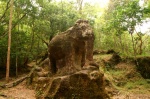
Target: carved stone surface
pixel 89 47
pixel 68 50
pixel 75 74
pixel 84 84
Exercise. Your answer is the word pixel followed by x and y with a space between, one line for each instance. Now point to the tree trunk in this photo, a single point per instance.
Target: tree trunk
pixel 80 2
pixel 133 45
pixel 141 45
pixel 9 41
pixel 16 65
pixel 121 43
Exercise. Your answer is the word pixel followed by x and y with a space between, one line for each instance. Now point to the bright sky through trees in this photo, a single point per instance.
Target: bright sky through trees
pixel 145 27
pixel 102 3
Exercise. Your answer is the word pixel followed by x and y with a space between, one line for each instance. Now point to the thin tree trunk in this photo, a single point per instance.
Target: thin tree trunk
pixel 14 25
pixel 4 14
pixel 80 2
pixel 121 43
pixel 141 45
pixel 133 45
pixel 17 49
pixel 16 65
pixel 9 41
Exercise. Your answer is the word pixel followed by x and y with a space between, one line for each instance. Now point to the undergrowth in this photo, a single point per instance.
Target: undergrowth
pixel 125 78
pixel 121 82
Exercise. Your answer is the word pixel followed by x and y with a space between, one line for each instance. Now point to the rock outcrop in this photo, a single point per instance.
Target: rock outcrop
pixel 74 74
pixel 143 66
pixel 85 84
pixel 70 48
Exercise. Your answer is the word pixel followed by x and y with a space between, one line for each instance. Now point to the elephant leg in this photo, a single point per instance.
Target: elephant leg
pixel 53 65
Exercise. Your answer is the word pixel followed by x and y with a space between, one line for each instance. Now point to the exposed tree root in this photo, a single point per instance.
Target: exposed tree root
pixel 14 83
pixel 21 79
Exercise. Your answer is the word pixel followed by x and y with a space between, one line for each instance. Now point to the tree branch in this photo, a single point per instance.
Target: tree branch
pixel 5 32
pixel 7 7
pixel 42 40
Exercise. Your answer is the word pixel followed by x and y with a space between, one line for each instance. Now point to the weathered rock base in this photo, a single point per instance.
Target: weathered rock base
pixel 143 66
pixel 85 84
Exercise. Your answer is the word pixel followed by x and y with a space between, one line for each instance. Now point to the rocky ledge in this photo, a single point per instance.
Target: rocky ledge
pixel 87 83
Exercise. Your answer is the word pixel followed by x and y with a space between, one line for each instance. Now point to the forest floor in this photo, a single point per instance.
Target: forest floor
pixel 20 91
pixel 124 83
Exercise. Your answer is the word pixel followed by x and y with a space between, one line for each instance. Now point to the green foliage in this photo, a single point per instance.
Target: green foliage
pixel 141 83
pixel 120 79
pixel 120 20
pixel 125 16
pixel 35 22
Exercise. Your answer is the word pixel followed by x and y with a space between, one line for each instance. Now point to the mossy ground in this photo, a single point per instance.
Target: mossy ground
pixel 125 78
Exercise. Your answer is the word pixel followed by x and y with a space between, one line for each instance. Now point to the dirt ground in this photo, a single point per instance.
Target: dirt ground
pixel 17 92
pixel 22 92
pixel 138 91
pixel 132 96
